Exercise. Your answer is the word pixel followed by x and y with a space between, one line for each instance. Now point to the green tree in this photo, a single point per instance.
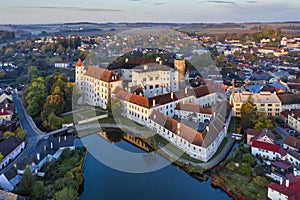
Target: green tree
pixel 33 73
pixel 248 158
pixel 38 190
pixel 244 169
pixel 263 121
pixel 248 114
pixel 26 183
pixel 35 96
pixel 231 166
pixel 67 193
pixel 261 181
pixel 8 134
pixel 1 156
pixel 20 133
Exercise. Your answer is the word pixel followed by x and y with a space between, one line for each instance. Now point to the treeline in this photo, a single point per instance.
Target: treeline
pixel 256 36
pixel 45 99
pixel 6 35
pixel 62 45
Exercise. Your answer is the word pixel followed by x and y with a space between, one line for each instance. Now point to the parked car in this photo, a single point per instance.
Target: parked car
pixel 284 126
pixel 291 131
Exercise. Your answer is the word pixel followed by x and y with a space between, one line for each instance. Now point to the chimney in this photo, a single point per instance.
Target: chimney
pixel 65 137
pixel 126 60
pixel 153 102
pixel 6 105
pixel 287 183
pixel 186 90
pixel 281 180
pixel 172 95
pixel 2 110
pixel 214 114
pixel 38 156
pixel 178 125
pixel 51 145
pixel 59 139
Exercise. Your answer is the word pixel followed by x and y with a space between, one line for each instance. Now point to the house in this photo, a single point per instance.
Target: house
pixel 289 101
pixel 5 98
pixel 6 114
pixel 293 157
pixel 10 196
pixel 293 119
pixel 292 143
pixel 267 150
pixel 264 135
pixel 61 64
pixel 290 190
pixel 10 149
pixel 96 84
pixel 264 102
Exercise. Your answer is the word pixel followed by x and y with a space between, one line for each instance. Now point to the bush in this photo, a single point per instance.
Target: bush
pixel 261 181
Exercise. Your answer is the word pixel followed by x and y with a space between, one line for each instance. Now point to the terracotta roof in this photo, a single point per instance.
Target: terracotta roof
pixel 193 107
pixel 292 142
pixel 253 132
pixel 293 191
pixel 287 99
pixel 183 131
pixel 269 147
pixel 8 145
pixel 160 99
pixel 79 63
pixel 101 74
pixel 295 113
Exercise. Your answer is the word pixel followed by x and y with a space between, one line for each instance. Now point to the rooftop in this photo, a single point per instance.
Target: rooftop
pixel 292 142
pixel 262 97
pixel 8 145
pixel 287 99
pixel 269 147
pixel 293 191
pixel 102 74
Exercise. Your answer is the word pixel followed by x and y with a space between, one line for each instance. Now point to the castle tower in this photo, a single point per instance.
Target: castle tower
pixel 79 70
pixel 180 67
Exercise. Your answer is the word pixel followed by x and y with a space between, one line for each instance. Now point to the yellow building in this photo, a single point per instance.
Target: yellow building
pixel 265 102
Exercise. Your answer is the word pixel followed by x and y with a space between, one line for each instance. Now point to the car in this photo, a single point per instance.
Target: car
pixel 291 130
pixel 284 126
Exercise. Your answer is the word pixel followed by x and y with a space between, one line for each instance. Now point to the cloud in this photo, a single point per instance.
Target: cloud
pixel 134 0
pixel 218 2
pixel 251 1
pixel 77 8
pixel 159 3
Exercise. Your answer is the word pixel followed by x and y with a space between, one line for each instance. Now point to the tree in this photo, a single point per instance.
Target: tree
pixel 38 190
pixel 26 183
pixel 248 158
pixel 67 193
pixel 32 73
pixel 261 181
pixel 20 133
pixel 248 114
pixel 244 169
pixel 1 157
pixel 263 121
pixel 8 134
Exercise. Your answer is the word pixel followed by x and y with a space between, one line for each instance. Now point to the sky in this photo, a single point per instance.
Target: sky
pixel 186 11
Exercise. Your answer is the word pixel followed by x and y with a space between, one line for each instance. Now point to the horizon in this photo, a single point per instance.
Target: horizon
pixel 156 11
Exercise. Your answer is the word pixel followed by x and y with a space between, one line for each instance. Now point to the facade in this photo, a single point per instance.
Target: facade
pixel 156 79
pixel 265 102
pixel 289 101
pixel 264 135
pixel 96 84
pixel 10 149
pixel 292 143
pixel 267 150
pixel 293 119
pixel 288 190
pixel 61 64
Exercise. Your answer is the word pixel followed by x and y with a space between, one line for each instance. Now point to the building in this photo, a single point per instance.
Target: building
pixel 292 143
pixel 289 190
pixel 293 118
pixel 10 149
pixel 267 150
pixel 10 196
pixel 61 64
pixel 96 84
pixel 289 101
pixel 6 114
pixel 155 79
pixel 265 102
pixel 264 135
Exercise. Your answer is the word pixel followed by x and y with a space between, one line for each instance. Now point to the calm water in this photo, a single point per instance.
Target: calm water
pixel 102 182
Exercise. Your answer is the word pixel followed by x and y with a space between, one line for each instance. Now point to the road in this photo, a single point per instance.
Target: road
pixel 282 132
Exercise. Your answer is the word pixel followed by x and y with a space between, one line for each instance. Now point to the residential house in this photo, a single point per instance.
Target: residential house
pixel 292 143
pixel 293 118
pixel 61 64
pixel 264 102
pixel 289 101
pixel 267 150
pixel 264 135
pixel 10 149
pixel 6 114
pixel 289 190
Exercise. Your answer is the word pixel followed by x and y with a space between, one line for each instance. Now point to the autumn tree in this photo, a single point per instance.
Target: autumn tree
pixel 1 157
pixel 67 193
pixel 32 73
pixel 248 114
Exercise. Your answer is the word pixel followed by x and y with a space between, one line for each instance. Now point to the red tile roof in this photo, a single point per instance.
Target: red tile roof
pixel 293 191
pixel 292 142
pixel 193 107
pixel 101 74
pixel 269 147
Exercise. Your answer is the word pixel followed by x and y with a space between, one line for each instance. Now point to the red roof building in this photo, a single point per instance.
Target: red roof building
pixel 290 190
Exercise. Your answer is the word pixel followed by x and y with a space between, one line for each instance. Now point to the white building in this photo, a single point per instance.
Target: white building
pixel 61 64
pixel 96 84
pixel 289 189
pixel 267 150
pixel 10 149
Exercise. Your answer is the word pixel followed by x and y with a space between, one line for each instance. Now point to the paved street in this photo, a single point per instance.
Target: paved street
pixel 282 132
